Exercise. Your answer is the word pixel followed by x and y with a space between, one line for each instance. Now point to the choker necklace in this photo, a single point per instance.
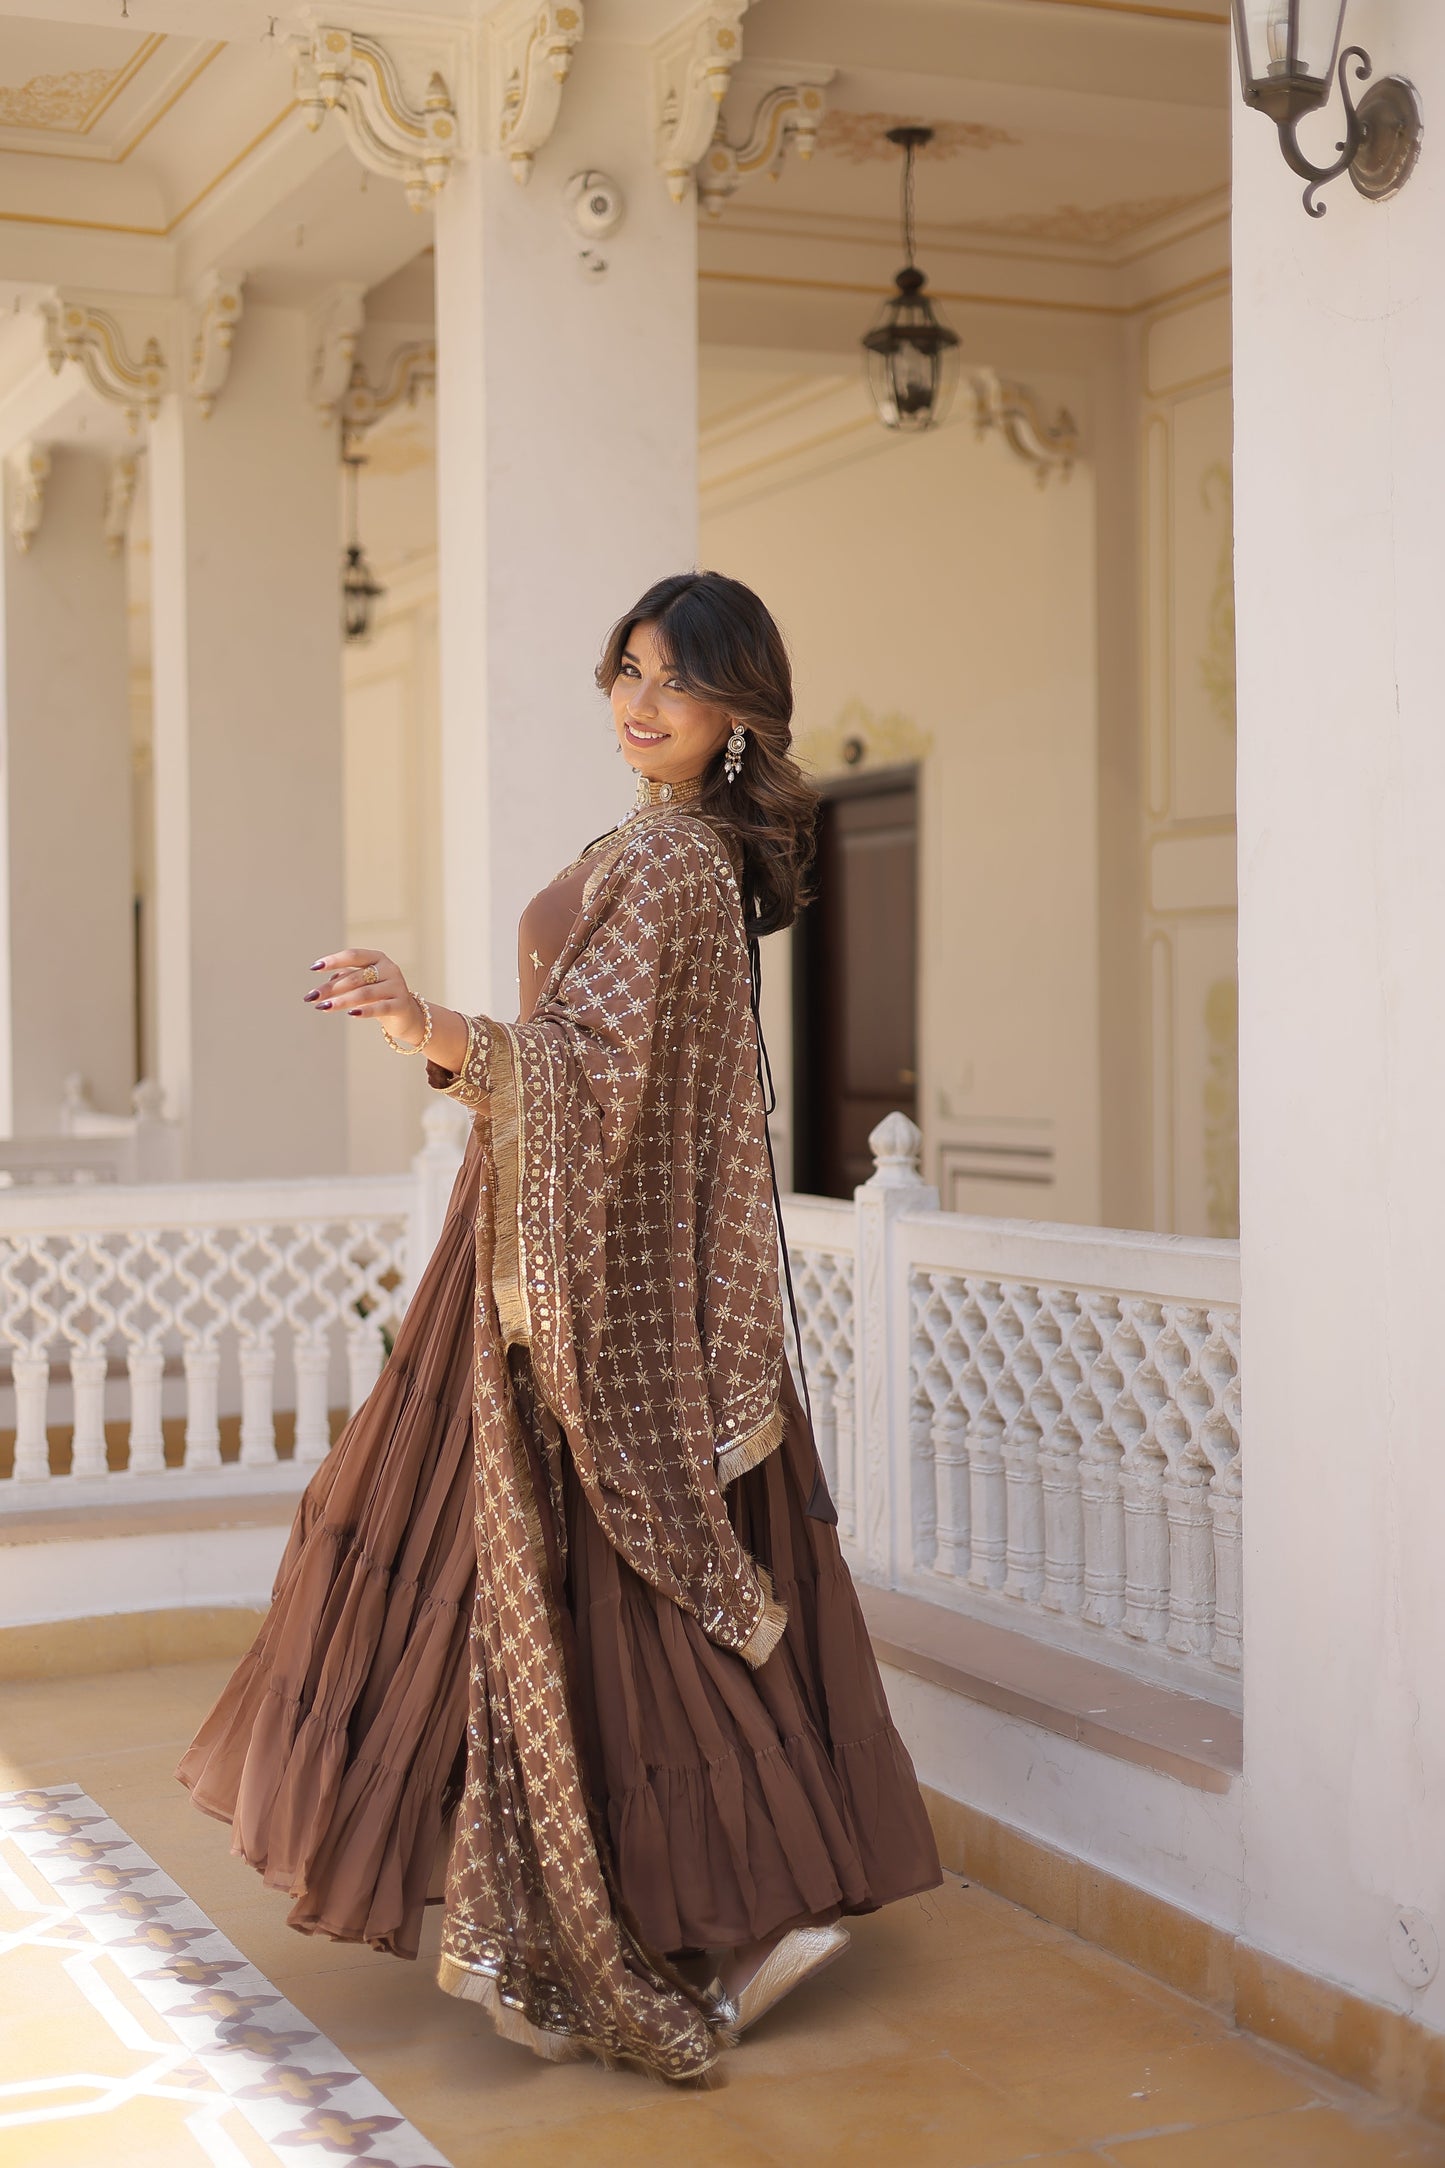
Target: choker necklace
pixel 652 794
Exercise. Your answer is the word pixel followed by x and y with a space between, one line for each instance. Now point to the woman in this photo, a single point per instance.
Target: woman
pixel 565 1604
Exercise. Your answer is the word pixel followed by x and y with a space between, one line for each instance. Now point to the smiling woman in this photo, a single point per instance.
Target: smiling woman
pixel 633 1697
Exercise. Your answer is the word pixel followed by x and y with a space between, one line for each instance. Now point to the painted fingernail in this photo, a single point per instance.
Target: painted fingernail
pixel 320 964
pixel 353 1012
pixel 323 1004
pixel 312 996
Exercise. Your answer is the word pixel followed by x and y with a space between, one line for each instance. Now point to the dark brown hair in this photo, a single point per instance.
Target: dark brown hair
pixel 724 648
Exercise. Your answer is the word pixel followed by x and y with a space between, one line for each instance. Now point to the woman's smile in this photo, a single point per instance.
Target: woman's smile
pixel 640 735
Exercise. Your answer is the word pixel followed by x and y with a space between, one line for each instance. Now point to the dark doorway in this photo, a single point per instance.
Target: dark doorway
pixel 855 982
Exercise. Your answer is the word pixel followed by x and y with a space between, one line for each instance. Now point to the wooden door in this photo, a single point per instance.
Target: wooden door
pixel 855 982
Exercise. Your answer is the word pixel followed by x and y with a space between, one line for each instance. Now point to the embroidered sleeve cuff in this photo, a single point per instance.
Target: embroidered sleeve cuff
pixel 770 1628
pixel 471 1083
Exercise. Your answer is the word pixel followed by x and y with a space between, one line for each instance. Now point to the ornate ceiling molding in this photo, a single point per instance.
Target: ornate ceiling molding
pixel 691 71
pixel 787 116
pixel 409 370
pixel 862 138
pixel 119 497
pixel 29 466
pixel 1011 409
pixel 219 303
pixel 77 331
pixel 347 72
pixel 530 44
pixel 335 333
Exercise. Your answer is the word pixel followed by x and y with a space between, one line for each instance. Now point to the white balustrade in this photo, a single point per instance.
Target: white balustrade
pixel 1045 1419
pixel 253 1298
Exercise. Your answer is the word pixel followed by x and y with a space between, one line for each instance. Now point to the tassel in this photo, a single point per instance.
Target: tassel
pixel 736 1459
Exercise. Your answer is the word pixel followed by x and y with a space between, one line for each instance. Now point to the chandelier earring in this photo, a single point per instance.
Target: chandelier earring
pixel 733 758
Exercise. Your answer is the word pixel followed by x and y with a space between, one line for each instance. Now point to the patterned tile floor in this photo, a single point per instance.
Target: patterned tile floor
pixel 958 2032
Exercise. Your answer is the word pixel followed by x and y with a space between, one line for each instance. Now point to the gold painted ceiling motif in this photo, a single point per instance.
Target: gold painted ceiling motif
pixel 72 102
pixel 862 137
pixel 1092 225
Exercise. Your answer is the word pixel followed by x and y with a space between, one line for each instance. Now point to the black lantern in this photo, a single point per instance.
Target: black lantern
pixel 359 591
pixel 911 359
pixel 1289 59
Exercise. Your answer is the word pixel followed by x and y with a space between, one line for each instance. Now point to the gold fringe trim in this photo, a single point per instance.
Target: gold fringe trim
pixel 469 1986
pixel 770 1628
pixel 745 1453
pixel 553 2047
pixel 507 1146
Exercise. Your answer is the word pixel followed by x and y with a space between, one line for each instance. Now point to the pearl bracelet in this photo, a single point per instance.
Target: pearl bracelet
pixel 395 1044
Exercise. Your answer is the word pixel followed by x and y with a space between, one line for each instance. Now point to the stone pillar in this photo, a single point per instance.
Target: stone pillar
pixel 67 982
pixel 247 730
pixel 1340 568
pixel 566 458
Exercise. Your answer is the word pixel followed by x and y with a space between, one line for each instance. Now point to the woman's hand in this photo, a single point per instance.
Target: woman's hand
pixel 364 982
pixel 386 999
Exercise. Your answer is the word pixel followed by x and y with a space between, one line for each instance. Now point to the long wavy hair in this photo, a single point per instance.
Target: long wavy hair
pixel 723 647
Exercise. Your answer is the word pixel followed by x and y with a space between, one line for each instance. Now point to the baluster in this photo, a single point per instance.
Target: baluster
pixel 1059 1477
pixel 258 1417
pixel 1191 1561
pixel 1225 1504
pixel 1024 1508
pixel 1101 1496
pixel 311 1358
pixel 203 1391
pixel 1146 1547
pixel 846 1454
pixel 949 1438
pixel 147 1444
pixel 988 1501
pixel 32 1440
pixel 87 1383
pixel 363 1356
pixel 923 1532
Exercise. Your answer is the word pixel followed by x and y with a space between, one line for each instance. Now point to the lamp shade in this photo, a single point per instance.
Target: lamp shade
pixel 911 358
pixel 1287 52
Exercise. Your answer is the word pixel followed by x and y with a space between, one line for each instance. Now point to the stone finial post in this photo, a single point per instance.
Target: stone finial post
pixel 881 1406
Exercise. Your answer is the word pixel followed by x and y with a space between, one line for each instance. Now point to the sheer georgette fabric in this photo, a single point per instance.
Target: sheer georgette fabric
pixel 727 1801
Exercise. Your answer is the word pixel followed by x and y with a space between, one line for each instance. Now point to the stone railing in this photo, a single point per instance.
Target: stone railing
pixel 1035 1424
pixel 127 1309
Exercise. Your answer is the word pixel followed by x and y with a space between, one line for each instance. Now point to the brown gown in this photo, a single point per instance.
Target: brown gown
pixel 734 1801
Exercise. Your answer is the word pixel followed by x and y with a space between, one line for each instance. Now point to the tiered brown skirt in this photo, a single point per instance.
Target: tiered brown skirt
pixel 735 1802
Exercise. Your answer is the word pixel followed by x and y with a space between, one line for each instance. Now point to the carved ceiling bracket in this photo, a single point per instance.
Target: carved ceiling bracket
pixel 119 497
pixel 410 369
pixel 691 72
pixel 787 116
pixel 335 334
pixel 220 312
pixel 531 43
pixel 346 72
pixel 29 466
pixel 75 331
pixel 1049 447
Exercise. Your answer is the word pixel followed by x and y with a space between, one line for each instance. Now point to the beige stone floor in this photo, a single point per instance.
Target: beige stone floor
pixel 959 2031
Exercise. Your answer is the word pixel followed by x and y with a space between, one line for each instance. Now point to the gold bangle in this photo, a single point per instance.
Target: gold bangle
pixel 423 1042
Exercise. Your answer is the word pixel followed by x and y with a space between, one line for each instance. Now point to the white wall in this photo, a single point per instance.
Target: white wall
pixel 1340 556
pixel 941 605
pixel 64 716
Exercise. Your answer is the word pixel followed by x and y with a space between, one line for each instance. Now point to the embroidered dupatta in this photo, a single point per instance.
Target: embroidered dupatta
pixel 625 1238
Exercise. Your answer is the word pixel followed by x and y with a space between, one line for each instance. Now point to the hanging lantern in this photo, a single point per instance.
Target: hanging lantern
pixel 1289 60
pixel 359 591
pixel 911 356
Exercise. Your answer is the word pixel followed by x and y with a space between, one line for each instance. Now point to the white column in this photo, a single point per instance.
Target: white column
pixel 1340 570
pixel 566 457
pixel 247 670
pixel 67 983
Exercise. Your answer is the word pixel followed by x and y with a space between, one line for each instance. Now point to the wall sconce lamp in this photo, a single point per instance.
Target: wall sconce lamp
pixel 1288 52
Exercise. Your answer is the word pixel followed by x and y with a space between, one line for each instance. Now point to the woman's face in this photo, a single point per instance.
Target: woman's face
pixel 664 733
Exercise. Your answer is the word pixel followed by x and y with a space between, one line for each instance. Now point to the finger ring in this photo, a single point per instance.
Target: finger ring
pixel 370 975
